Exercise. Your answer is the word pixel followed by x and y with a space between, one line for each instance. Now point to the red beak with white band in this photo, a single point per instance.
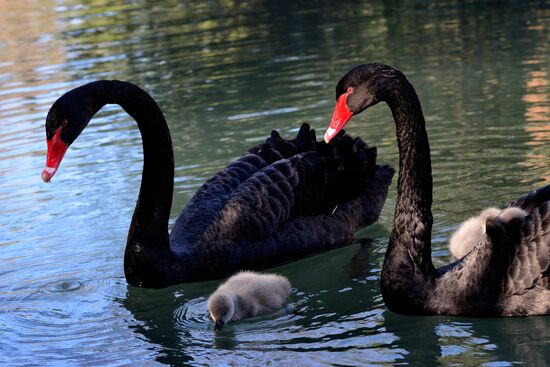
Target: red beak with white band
pixel 56 150
pixel 340 117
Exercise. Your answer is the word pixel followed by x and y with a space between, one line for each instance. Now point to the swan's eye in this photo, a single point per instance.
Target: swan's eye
pixel 350 90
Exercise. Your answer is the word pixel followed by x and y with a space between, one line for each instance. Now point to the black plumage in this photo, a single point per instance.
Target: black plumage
pixel 280 201
pixel 506 274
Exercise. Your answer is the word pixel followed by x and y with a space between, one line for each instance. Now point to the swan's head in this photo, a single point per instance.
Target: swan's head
pixel 68 116
pixel 221 306
pixel 362 87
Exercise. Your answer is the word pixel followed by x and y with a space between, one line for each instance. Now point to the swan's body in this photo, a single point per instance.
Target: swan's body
pixel 283 200
pixel 470 232
pixel 247 294
pixel 507 273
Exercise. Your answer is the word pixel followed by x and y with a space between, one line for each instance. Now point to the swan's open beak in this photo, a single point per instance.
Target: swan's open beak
pixel 56 150
pixel 340 117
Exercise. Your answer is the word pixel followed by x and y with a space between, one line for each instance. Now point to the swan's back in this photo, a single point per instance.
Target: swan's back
pixel 283 200
pixel 203 210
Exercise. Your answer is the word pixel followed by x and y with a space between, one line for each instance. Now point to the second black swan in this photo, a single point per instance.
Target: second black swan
pixel 280 201
pixel 507 273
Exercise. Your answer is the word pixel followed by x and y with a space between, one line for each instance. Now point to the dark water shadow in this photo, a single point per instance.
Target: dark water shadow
pixel 154 313
pixel 437 340
pixel 359 264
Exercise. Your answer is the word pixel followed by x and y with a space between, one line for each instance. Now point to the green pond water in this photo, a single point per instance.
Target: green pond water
pixel 225 74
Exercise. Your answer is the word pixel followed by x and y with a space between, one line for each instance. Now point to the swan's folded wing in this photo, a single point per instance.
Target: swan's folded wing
pixel 203 209
pixel 258 206
pixel 206 203
pixel 306 185
pixel 520 251
pixel 294 239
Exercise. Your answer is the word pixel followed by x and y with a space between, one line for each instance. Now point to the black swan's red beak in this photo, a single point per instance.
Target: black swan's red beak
pixel 340 117
pixel 56 150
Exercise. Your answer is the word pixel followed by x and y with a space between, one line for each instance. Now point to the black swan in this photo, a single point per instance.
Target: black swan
pixel 506 274
pixel 247 294
pixel 283 200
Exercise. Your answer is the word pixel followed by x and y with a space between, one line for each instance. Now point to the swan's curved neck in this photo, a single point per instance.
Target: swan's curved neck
pixel 147 254
pixel 408 258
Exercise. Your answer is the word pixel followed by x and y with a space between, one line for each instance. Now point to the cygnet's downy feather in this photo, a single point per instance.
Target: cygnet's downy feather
pixel 247 294
pixel 470 232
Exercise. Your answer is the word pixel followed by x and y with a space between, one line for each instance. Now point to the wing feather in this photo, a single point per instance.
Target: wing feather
pixel 521 250
pixel 281 185
pixel 258 206
pixel 510 259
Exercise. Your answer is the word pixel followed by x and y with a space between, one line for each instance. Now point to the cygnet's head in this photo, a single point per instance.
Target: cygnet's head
pixel 221 306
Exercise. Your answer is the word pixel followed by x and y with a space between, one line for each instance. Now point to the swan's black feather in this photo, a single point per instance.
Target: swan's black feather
pixel 204 206
pixel 294 239
pixel 257 207
pixel 533 199
pixel 529 254
pixel 290 183
pixel 507 272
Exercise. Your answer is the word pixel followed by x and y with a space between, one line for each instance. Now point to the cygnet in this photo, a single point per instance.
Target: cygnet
pixel 470 232
pixel 512 212
pixel 247 294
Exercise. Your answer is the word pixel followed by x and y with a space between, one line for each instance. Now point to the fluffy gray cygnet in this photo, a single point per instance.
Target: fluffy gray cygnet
pixel 247 294
pixel 470 232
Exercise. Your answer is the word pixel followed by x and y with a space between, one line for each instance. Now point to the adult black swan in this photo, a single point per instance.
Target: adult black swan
pixel 283 200
pixel 507 272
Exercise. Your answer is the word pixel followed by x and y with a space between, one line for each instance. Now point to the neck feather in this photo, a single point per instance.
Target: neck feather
pixel 148 247
pixel 408 258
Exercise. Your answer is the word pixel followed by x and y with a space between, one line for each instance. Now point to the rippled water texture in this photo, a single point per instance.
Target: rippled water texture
pixel 226 73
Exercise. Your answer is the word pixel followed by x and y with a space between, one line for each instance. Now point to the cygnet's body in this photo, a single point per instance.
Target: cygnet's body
pixel 470 232
pixel 247 294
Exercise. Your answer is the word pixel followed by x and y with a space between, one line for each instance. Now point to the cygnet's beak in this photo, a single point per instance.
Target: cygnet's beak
pixel 218 325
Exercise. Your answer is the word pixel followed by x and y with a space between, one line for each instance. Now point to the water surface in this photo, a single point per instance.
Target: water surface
pixel 225 74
